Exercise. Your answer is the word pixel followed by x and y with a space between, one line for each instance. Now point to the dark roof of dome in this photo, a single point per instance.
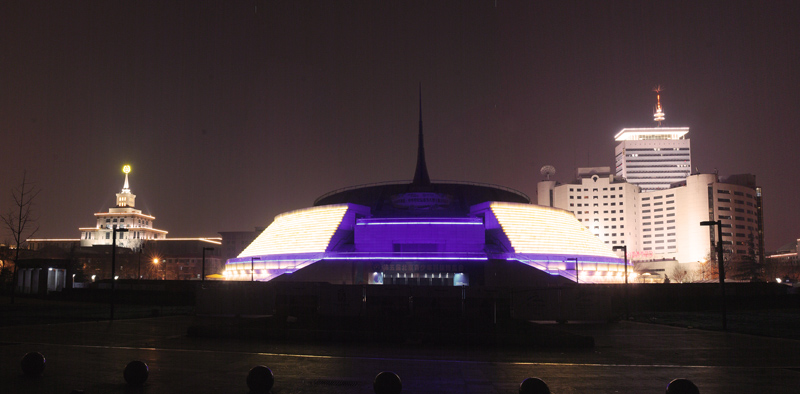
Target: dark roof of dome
pixel 378 196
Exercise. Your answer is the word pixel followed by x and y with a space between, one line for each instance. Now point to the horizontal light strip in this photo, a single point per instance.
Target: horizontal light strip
pixel 385 223
pixel 781 255
pixel 52 240
pixel 259 260
pixel 135 214
pixel 215 241
pixel 406 258
pixel 580 261
pixel 142 229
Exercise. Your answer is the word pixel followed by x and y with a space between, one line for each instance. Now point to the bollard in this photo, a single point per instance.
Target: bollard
pixel 33 364
pixel 260 379
pixel 387 383
pixel 682 386
pixel 533 386
pixel 136 373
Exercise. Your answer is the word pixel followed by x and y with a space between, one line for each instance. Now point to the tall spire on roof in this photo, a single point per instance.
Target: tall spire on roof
pixel 126 169
pixel 126 198
pixel 421 177
pixel 658 115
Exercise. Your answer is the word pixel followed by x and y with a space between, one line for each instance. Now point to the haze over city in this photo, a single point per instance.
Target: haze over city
pixel 231 113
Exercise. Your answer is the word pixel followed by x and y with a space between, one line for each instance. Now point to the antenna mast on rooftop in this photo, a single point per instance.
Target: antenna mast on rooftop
pixel 421 177
pixel 658 115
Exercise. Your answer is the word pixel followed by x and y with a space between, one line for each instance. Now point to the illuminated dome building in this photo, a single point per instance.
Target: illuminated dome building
pixel 426 233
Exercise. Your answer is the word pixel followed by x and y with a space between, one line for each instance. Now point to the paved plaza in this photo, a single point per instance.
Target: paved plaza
pixel 628 358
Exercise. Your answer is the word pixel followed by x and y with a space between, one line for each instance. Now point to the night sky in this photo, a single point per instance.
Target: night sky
pixel 233 112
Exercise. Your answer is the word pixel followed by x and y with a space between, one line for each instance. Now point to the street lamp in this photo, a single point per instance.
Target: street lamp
pixel 114 231
pixel 155 262
pixel 252 271
pixel 720 262
pixel 139 269
pixel 575 259
pixel 203 273
pixel 624 249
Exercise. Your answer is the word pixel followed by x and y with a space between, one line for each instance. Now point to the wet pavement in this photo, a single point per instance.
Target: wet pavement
pixel 628 357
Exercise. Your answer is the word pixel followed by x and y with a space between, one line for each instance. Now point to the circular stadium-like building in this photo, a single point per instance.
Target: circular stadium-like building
pixel 427 233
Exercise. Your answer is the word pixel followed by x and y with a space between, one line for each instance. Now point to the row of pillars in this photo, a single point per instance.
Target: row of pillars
pixel 260 379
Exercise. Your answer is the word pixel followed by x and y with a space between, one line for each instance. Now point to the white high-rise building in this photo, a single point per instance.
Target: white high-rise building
pixel 653 158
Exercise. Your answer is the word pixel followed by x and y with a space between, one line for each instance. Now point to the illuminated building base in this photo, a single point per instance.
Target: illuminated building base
pixel 345 243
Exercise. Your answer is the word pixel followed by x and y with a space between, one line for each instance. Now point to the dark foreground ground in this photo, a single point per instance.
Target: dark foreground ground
pixel 628 357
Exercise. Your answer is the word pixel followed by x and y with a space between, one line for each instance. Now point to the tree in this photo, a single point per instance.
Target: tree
pixel 20 221
pixel 680 274
pixel 709 268
pixel 750 265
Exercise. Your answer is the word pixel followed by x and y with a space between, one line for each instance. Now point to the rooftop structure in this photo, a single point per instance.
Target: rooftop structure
pixel 652 133
pixel 658 114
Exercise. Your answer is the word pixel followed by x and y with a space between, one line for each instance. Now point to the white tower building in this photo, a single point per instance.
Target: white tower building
pixel 124 215
pixel 653 158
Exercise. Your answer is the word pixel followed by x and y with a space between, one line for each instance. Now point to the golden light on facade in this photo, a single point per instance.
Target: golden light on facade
pixel 544 230
pixel 301 231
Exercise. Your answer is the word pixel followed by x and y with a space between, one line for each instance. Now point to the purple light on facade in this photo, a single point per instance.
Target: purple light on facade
pixel 434 223
pixel 405 258
pixel 581 259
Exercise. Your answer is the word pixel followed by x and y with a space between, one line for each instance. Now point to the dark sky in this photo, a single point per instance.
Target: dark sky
pixel 233 112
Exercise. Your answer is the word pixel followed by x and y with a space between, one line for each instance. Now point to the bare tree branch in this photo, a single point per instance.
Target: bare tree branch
pixel 20 220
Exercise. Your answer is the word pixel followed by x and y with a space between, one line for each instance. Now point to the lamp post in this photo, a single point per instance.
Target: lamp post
pixel 252 270
pixel 203 273
pixel 720 262
pixel 155 262
pixel 624 249
pixel 139 270
pixel 575 259
pixel 114 231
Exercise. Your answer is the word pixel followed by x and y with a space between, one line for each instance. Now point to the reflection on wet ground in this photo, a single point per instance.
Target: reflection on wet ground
pixel 628 358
